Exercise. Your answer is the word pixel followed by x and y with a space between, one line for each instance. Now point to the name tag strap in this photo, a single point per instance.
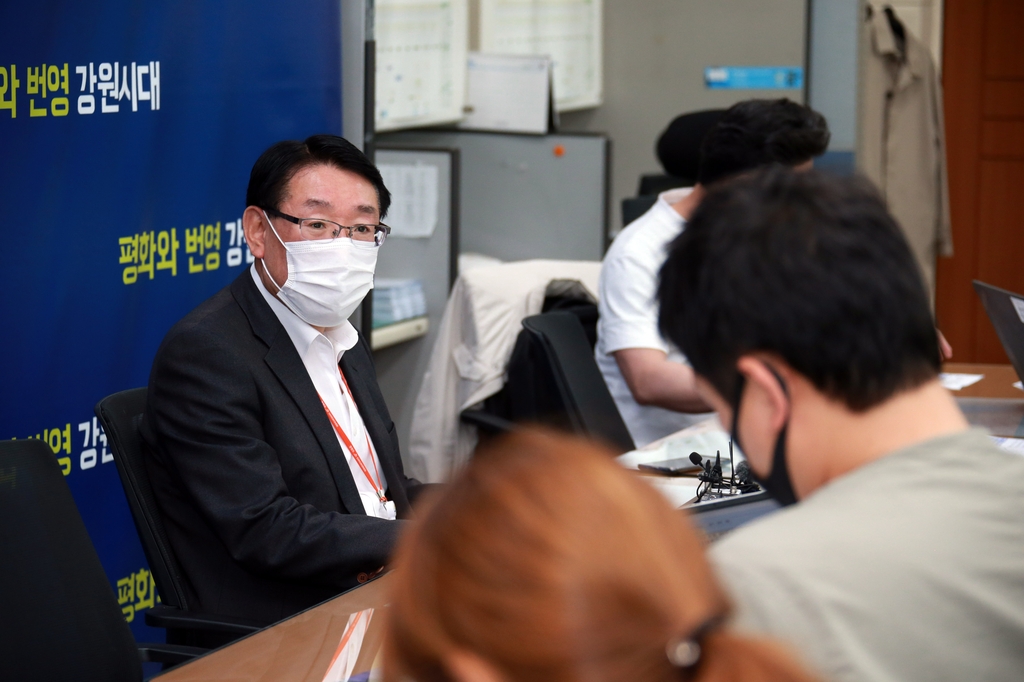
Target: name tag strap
pixel 377 485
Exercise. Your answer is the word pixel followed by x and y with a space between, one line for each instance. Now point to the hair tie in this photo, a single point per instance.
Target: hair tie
pixel 685 651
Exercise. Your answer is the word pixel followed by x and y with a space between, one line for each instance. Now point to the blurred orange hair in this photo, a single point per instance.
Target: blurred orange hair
pixel 551 562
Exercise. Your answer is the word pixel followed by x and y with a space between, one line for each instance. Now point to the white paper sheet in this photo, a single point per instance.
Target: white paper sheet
pixel 421 61
pixel 1014 445
pixel 413 187
pixel 508 93
pixel 569 31
pixel 1019 385
pixel 705 438
pixel 954 382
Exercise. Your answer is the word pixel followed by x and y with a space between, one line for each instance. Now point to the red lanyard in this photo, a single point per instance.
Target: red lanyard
pixel 377 485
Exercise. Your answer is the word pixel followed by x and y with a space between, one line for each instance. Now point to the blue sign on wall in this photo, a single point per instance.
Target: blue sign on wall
pixel 127 131
pixel 754 77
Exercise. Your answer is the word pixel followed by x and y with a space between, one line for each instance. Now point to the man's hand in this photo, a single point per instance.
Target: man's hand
pixel 655 380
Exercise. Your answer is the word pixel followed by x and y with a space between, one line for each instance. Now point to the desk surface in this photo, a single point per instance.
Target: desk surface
pixel 303 647
pixel 998 381
pixel 994 402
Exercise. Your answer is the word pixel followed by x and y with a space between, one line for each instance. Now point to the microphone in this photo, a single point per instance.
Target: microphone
pixel 711 476
pixel 712 473
pixel 744 478
pixel 743 473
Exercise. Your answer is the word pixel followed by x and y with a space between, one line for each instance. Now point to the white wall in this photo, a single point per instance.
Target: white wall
pixel 655 52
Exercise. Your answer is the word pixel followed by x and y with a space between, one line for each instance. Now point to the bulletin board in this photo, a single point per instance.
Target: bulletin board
pixel 527 196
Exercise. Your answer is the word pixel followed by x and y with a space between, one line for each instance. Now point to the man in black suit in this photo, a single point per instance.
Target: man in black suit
pixel 271 451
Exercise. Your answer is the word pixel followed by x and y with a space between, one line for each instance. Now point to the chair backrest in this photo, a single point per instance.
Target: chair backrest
pixel 679 145
pixel 653 184
pixel 58 613
pixel 634 207
pixel 121 414
pixel 587 404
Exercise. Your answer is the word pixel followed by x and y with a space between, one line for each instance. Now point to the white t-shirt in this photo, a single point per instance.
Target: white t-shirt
pixel 909 568
pixel 629 313
pixel 320 355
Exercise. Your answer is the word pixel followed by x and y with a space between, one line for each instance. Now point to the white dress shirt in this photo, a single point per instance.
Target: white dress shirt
pixel 321 354
pixel 629 313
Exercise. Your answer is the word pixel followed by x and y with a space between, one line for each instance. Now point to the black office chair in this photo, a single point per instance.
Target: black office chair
pixel 634 207
pixel 678 150
pixel 58 613
pixel 553 379
pixel 679 145
pixel 653 184
pixel 120 414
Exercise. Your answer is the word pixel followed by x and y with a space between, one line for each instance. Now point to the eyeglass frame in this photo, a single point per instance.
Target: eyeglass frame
pixel 378 227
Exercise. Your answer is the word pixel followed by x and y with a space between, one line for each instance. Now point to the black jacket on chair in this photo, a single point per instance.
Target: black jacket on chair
pixel 259 502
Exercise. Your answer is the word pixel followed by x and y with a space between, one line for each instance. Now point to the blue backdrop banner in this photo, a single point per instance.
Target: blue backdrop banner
pixel 127 131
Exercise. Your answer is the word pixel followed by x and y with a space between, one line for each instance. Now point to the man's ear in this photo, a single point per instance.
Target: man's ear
pixel 766 385
pixel 256 229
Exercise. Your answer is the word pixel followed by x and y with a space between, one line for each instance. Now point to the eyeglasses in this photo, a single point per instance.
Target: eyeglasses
pixel 318 228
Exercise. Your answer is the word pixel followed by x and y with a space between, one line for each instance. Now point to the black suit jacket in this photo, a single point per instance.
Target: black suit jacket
pixel 260 505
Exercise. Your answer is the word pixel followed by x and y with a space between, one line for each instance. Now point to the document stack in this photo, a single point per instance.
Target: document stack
pixel 395 300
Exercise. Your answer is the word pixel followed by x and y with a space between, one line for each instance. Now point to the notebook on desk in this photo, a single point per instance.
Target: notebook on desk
pixel 1006 312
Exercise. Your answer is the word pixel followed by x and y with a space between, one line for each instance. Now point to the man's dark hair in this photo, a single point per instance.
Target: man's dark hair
pixel 759 132
pixel 279 164
pixel 807 266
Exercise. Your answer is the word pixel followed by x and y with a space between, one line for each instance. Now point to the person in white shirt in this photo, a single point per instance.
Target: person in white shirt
pixel 272 455
pixel 899 553
pixel 650 380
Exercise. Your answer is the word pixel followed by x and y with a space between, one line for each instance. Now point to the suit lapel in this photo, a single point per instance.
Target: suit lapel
pixel 284 361
pixel 358 373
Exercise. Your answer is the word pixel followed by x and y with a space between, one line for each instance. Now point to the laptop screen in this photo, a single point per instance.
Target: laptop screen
pixel 1006 312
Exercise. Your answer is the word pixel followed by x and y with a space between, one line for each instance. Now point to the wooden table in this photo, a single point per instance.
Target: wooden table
pixel 994 402
pixel 998 381
pixel 299 648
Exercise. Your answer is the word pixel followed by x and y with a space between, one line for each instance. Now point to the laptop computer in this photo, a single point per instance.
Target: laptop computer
pixel 1006 311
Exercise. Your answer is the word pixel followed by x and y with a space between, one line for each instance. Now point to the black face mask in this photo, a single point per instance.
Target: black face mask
pixel 777 482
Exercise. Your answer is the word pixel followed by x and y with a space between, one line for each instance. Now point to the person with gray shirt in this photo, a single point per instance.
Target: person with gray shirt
pixel 899 553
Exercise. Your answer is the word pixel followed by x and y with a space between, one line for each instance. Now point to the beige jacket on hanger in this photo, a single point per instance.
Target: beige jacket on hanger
pixel 902 145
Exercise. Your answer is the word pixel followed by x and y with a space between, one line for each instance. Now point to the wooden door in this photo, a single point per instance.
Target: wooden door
pixel 983 79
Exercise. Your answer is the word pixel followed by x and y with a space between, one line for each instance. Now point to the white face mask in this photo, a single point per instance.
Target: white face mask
pixel 327 278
